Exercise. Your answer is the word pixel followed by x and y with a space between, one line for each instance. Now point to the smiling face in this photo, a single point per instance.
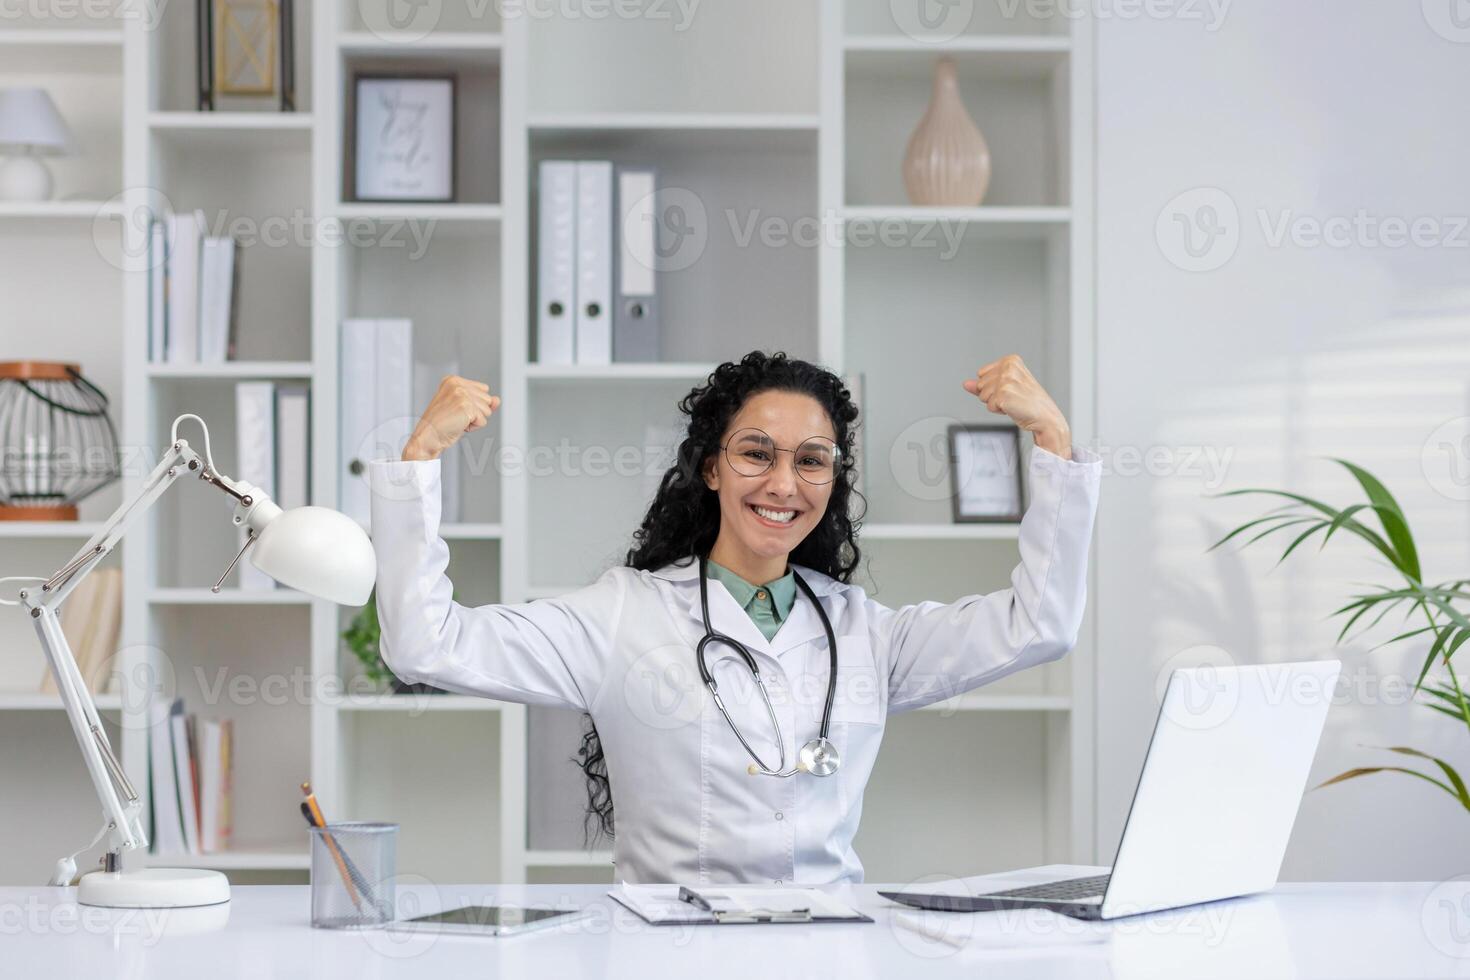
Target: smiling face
pixel 764 517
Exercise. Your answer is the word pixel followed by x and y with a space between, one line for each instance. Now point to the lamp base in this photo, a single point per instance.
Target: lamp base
pixel 153 888
pixel 25 177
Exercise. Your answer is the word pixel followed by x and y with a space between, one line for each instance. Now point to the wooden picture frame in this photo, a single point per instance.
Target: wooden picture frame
pixel 990 453
pixel 430 133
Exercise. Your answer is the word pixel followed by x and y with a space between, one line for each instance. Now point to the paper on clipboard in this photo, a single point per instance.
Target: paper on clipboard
pixel 660 904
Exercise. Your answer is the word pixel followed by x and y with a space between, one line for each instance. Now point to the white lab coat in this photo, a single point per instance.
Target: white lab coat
pixel 622 649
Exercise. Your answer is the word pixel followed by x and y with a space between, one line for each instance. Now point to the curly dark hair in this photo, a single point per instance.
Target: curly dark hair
pixel 684 518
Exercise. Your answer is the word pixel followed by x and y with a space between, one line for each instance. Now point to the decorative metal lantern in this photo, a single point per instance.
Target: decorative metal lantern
pixel 57 443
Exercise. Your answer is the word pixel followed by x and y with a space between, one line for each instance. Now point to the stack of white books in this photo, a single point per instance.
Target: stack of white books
pixel 193 290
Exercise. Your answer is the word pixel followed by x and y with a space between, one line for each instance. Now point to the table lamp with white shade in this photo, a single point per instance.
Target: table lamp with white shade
pixel 30 128
pixel 314 549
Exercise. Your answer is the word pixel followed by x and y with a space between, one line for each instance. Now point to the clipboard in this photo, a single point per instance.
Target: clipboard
pixel 666 905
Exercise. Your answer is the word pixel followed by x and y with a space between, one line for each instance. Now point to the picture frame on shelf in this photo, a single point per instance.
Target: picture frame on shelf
pixel 985 473
pixel 246 49
pixel 403 137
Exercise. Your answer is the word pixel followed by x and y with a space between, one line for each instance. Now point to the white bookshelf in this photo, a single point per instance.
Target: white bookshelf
pixel 786 109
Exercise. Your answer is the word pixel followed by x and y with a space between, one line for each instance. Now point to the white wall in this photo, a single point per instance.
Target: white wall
pixel 1282 355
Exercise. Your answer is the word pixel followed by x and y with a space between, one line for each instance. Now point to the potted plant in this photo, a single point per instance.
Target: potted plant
pixel 363 637
pixel 1435 607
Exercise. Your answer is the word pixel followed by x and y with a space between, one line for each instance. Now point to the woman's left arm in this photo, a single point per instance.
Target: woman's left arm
pixel 938 650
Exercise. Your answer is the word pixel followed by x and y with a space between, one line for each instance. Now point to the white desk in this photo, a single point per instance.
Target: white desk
pixel 1299 930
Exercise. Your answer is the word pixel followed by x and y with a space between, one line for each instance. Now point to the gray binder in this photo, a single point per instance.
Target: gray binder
pixel 635 311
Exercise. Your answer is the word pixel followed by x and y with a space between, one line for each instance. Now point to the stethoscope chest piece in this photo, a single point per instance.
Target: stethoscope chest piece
pixel 819 757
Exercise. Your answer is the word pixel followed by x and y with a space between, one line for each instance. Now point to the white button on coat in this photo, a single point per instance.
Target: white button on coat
pixel 622 649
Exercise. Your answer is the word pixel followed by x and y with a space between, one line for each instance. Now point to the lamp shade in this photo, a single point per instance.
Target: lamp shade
pixel 29 121
pixel 319 551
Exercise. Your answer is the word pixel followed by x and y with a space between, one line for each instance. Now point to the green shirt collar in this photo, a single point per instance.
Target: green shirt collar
pixel 780 593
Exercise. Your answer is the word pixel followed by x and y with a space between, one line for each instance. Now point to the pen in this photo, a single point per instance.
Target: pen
pixel 694 898
pixel 930 930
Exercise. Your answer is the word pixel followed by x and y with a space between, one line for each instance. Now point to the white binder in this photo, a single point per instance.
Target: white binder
pixel 556 263
pixel 377 411
pixel 157 295
pixel 396 417
pixel 255 437
pixel 594 262
pixel 185 234
pixel 216 298
pixel 357 406
pixel 635 310
pixel 293 445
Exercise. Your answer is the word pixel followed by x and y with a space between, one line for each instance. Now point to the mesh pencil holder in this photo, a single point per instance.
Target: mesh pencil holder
pixel 352 870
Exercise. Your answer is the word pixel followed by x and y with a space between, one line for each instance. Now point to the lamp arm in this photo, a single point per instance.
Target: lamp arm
pixel 121 805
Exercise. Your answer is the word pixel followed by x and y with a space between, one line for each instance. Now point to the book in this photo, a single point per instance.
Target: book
pixel 255 439
pixel 218 273
pixel 186 797
pixel 183 239
pixel 212 765
pixel 91 619
pixel 293 445
pixel 167 834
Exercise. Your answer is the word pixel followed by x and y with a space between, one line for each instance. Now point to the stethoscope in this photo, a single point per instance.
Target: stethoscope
pixel 819 756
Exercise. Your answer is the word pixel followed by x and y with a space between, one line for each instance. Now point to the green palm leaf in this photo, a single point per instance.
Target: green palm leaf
pixel 1391 516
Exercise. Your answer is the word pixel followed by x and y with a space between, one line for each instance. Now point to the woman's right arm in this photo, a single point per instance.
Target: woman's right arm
pixel 546 652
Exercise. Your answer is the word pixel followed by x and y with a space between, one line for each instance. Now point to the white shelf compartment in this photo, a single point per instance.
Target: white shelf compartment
pixel 1016 91
pixel 756 56
pixel 721 293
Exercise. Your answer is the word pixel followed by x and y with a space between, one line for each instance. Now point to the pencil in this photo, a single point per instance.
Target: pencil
pixel 357 878
pixel 321 821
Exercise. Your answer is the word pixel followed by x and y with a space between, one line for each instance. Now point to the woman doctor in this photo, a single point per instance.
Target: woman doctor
pixel 740 758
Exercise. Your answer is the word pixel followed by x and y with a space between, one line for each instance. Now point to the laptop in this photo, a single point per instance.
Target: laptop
pixel 1221 783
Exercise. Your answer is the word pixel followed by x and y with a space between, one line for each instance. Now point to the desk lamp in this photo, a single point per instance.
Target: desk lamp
pixel 313 549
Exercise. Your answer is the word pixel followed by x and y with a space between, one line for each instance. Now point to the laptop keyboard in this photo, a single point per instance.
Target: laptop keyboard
pixel 1070 890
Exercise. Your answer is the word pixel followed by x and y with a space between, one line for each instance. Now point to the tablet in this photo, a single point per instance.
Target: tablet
pixel 486 920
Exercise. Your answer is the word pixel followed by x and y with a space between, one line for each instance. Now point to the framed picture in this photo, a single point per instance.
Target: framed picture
pixel 245 51
pixel 985 473
pixel 403 137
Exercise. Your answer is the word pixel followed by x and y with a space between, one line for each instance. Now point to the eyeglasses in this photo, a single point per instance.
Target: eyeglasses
pixel 751 452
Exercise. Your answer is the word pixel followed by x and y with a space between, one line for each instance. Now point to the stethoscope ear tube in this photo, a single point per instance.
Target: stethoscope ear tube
pixel 818 756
